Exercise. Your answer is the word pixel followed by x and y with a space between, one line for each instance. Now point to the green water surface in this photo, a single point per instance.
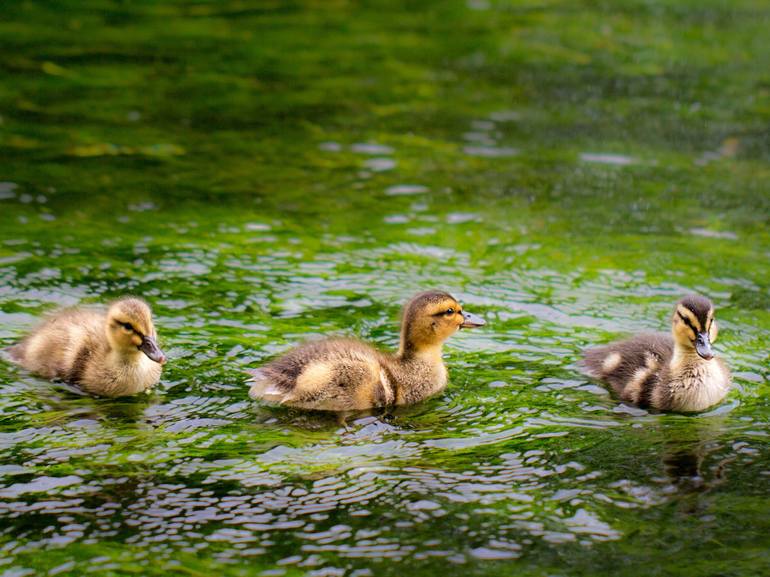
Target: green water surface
pixel 266 172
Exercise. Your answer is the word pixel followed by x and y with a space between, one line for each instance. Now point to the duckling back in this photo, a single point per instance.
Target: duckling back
pixel 634 368
pixel 62 346
pixel 331 374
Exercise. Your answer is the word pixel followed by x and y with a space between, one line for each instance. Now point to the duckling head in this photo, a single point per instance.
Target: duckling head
pixel 693 325
pixel 130 329
pixel 430 318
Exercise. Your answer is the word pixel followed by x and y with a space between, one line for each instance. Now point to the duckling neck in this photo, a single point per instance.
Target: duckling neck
pixel 417 373
pixel 408 351
pixel 684 358
pixel 694 382
pixel 689 371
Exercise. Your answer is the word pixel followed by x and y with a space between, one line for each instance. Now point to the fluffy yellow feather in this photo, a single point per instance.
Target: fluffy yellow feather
pixel 346 374
pixel 109 353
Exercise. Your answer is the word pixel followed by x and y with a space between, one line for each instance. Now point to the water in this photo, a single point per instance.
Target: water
pixel 267 173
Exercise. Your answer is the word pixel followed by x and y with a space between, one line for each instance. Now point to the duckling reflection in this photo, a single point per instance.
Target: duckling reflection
pixel 676 372
pixel 690 457
pixel 64 402
pixel 111 354
pixel 346 374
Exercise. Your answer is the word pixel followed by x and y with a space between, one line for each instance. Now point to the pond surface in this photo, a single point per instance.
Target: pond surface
pixel 267 172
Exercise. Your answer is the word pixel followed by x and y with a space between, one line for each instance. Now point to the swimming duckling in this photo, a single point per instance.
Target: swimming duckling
pixel 111 354
pixel 676 372
pixel 344 374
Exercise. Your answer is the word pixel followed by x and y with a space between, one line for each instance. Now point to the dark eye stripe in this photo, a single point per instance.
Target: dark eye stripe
pixel 687 322
pixel 449 311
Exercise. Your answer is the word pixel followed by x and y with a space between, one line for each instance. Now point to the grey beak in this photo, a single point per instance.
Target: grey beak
pixel 703 346
pixel 470 321
pixel 150 348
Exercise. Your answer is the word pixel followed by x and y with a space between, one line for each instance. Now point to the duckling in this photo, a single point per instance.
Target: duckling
pixel 676 372
pixel 341 374
pixel 111 354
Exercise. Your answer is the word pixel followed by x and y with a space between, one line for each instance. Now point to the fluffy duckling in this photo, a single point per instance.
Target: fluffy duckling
pixel 344 374
pixel 676 372
pixel 112 354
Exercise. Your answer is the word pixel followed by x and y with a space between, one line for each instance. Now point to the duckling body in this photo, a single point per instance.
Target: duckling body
pixel 341 374
pixel 667 372
pixel 111 354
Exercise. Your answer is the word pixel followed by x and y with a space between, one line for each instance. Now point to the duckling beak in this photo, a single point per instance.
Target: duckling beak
pixel 150 348
pixel 470 321
pixel 703 346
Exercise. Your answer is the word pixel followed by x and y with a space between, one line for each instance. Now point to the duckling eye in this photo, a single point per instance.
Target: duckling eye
pixel 450 311
pixel 127 326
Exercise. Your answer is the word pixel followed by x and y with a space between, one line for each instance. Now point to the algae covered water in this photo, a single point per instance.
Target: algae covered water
pixel 268 172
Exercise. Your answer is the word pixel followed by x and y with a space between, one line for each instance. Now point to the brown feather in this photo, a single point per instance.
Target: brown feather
pixel 74 346
pixel 655 370
pixel 342 374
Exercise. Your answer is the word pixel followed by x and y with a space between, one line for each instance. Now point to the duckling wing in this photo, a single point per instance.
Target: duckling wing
pixel 632 366
pixel 334 374
pixel 61 344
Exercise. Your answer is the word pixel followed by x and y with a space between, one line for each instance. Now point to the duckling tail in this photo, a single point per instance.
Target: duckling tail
pixel 15 353
pixel 264 388
pixel 598 362
pixel 258 382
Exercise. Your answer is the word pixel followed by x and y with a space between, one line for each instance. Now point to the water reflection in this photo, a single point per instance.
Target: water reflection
pixel 605 158
pixel 319 487
pixel 694 457
pixel 365 477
